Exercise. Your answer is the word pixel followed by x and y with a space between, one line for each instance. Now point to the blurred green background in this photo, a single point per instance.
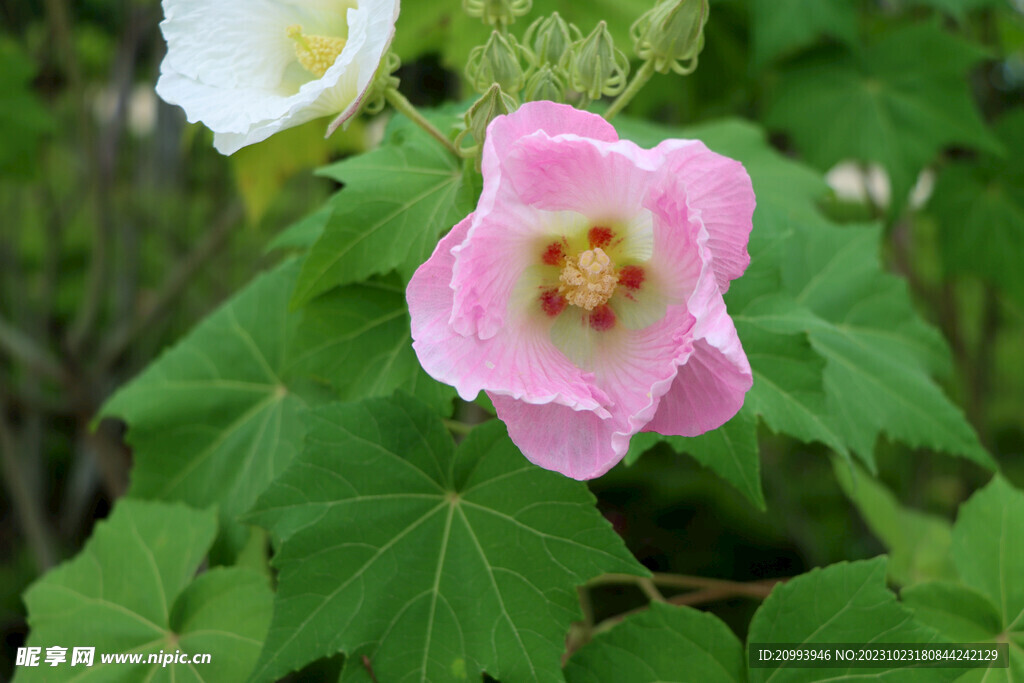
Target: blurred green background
pixel 120 227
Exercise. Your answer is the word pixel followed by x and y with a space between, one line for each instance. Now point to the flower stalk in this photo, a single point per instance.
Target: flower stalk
pixel 399 102
pixel 639 80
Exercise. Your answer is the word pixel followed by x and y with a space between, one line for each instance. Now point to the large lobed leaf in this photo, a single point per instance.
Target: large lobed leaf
pixel 843 603
pixel 216 418
pixel 426 561
pixel 134 589
pixel 662 644
pixel 987 603
pixel 980 210
pixel 779 26
pixel 879 355
pixel 897 103
pixel 397 201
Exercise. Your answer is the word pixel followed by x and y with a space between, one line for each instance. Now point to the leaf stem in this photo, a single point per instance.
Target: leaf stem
pixel 456 427
pixel 640 79
pixel 399 102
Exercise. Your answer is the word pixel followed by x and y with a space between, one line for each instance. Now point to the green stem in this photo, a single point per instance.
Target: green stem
pixel 456 427
pixel 398 101
pixel 640 79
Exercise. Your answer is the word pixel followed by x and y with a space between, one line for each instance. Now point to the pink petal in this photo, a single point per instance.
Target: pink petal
pixel 634 369
pixel 604 180
pixel 577 443
pixel 503 242
pixel 710 387
pixel 520 361
pixel 553 119
pixel 720 189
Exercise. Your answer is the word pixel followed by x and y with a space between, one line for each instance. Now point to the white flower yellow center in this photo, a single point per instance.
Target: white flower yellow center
pixel 590 281
pixel 315 53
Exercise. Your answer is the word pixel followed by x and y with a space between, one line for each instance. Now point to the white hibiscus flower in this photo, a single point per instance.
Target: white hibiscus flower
pixel 250 68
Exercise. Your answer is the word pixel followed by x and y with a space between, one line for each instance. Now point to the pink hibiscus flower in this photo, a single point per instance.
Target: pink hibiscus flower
pixel 584 294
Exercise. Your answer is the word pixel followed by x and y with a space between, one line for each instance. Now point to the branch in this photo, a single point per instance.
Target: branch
pixel 753 589
pixel 26 505
pixel 26 350
pixel 705 590
pixel 173 286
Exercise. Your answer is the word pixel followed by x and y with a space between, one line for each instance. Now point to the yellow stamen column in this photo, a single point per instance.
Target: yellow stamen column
pixel 590 281
pixel 315 53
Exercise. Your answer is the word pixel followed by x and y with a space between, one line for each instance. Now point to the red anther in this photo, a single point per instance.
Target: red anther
pixel 553 255
pixel 602 318
pixel 552 302
pixel 631 277
pixel 600 237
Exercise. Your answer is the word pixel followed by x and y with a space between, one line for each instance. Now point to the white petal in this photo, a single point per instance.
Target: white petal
pixel 232 66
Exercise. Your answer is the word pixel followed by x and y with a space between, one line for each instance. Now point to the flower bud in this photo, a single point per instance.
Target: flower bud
pixel 497 61
pixel 670 33
pixel 595 66
pixel 545 84
pixel 550 37
pixel 497 12
pixel 491 105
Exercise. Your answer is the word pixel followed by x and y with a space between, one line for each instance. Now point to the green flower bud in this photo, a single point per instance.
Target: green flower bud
pixel 595 66
pixel 545 84
pixel 491 105
pixel 670 33
pixel 497 61
pixel 550 37
pixel 497 12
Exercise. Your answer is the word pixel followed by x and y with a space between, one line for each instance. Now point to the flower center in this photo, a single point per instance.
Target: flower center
pixel 590 281
pixel 315 53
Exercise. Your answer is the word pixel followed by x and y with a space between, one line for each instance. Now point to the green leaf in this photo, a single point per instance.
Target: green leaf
pixel 988 548
pixel 398 199
pixel 780 26
pixel 788 393
pixel 434 563
pixel 216 418
pixel 304 233
pixel 358 339
pixel 957 612
pixel 918 543
pixel 843 603
pixel 261 170
pixel 980 210
pixel 662 643
pixel 880 356
pixel 729 451
pixel 131 590
pixel 897 103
